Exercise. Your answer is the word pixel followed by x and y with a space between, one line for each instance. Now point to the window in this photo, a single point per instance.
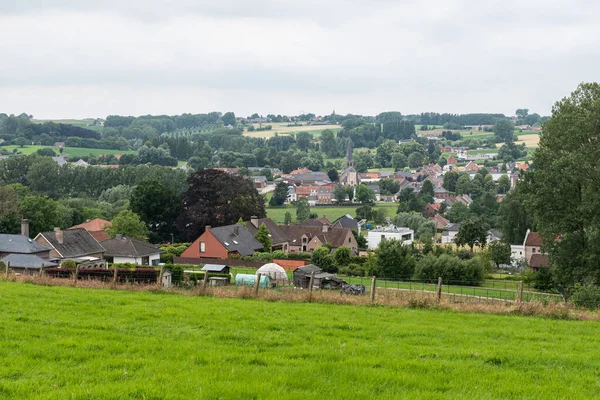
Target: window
pixel 155 262
pixel 533 250
pixel 145 260
pixel 349 240
pixel 202 247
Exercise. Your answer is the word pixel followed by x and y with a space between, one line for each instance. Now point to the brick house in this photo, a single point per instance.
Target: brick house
pixel 223 241
pixel 308 238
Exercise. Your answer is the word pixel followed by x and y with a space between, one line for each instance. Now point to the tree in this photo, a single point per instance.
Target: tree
pixel 522 112
pixel 350 193
pixel 503 184
pixel 46 152
pixel 423 228
pixel 450 179
pixel 228 119
pixel 21 141
pixel 394 260
pixel 427 191
pixel 504 130
pixel 9 210
pixel 264 237
pixel 364 195
pixel 333 175
pixel 464 185
pixel 279 195
pixel 471 232
pixel 303 140
pixel 415 160
pixel 341 256
pixel 328 145
pixel 339 194
pixel 365 212
pixel 216 198
pixel 563 193
pixel 322 258
pixel 287 220
pixel 41 212
pixel 360 240
pixel 128 223
pixel 158 207
pixel 499 252
pixel 302 209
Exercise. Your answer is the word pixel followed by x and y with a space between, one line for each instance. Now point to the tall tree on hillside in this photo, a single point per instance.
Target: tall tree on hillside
pixel 128 223
pixel 302 209
pixel 563 191
pixel 9 210
pixel 472 231
pixel 339 194
pixel 364 195
pixel 216 198
pixel 228 119
pixel 504 129
pixel 158 207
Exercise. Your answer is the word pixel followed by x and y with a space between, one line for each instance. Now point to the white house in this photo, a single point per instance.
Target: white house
pixel 123 249
pixel 517 252
pixel 449 234
pixel 374 237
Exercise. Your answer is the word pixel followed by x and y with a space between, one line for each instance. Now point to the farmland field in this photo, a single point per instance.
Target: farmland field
pixel 71 151
pixel 65 342
pixel 283 129
pixel 277 214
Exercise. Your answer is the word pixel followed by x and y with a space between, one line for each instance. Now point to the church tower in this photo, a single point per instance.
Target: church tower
pixel 349 160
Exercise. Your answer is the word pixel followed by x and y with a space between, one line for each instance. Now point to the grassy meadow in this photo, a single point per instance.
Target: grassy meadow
pixel 66 342
pixel 277 214
pixel 281 128
pixel 71 151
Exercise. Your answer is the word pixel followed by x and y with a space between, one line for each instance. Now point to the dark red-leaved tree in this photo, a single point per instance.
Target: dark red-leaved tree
pixel 216 198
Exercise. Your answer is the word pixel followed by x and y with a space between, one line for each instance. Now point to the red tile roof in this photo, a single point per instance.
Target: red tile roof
pixel 533 239
pixel 538 260
pixel 97 224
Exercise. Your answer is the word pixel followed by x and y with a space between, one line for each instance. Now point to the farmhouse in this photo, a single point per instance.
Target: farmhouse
pixel 308 238
pixel 223 241
pixel 96 227
pixel 123 249
pixel 278 238
pixel 74 244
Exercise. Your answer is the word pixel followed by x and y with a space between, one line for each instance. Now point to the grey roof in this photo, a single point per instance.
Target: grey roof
pixel 277 235
pixel 440 190
pixel 129 247
pixel 29 261
pixel 309 268
pixel 20 244
pixel 214 267
pixel 454 227
pixel 59 160
pixel 244 242
pixel 346 221
pixel 76 243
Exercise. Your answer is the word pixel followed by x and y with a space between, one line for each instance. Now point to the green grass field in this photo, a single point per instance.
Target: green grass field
pixel 71 151
pixel 332 213
pixel 64 342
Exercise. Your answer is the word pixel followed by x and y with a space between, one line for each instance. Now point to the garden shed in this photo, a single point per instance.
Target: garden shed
pixel 302 275
pixel 216 268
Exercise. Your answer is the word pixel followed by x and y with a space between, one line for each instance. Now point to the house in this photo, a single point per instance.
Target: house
pixel 278 238
pixel 307 238
pixel 60 160
pixel 441 193
pixel 431 209
pixel 375 236
pixel 471 166
pixel 123 249
pixel 216 269
pixel 223 241
pixel 450 233
pixel 516 253
pixel 376 189
pixel 451 161
pixel 439 221
pixel 27 263
pixel 532 251
pixel 346 221
pixel 96 227
pixel 259 181
pixel 315 222
pixel 72 244
pixel 22 244
pixel 291 194
pixel 59 144
pixel 81 163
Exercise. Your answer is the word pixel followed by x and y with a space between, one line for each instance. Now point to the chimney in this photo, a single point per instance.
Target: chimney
pixel 25 227
pixel 236 230
pixel 207 228
pixel 59 235
pixel 325 228
pixel 254 221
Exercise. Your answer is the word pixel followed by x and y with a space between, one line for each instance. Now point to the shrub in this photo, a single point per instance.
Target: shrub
pixel 279 254
pixel 68 264
pixel 543 279
pixel 2 266
pixel 451 269
pixel 353 270
pixel 587 296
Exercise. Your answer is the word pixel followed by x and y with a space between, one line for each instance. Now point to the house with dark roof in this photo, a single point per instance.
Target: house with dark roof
pixel 97 228
pixel 123 249
pixel 307 238
pixel 449 235
pixel 21 244
pixel 346 221
pixel 278 238
pixel 223 241
pixel 71 244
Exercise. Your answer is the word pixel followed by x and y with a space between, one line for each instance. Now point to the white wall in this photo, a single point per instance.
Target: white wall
pixel 517 252
pixel 450 238
pixel 136 260
pixel 374 237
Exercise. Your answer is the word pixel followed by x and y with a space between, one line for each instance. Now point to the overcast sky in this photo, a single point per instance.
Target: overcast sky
pixel 77 58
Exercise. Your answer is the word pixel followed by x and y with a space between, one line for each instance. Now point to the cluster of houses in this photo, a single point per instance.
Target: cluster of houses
pixel 87 244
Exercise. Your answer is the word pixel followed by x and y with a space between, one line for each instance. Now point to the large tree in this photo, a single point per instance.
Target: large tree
pixel 504 130
pixel 302 209
pixel 472 232
pixel 157 206
pixel 264 237
pixel 563 191
pixel 394 260
pixel 279 195
pixel 128 223
pixel 216 198
pixel 9 210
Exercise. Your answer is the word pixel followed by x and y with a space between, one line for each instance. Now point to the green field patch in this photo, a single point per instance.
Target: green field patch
pixel 332 213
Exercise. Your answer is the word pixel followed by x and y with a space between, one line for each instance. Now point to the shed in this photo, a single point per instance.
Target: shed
pixel 302 275
pixel 249 280
pixel 273 271
pixel 166 279
pixel 216 268
pixel 328 281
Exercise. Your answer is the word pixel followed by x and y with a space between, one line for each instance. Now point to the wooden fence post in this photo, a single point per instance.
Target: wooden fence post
pixel 520 293
pixel 76 275
pixel 42 272
pixel 205 280
pixel 373 288
pixel 115 276
pixel 7 269
pixel 257 283
pixel 439 290
pixel 160 277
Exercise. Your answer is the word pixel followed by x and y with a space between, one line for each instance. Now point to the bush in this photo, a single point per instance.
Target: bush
pixel 68 264
pixel 451 269
pixel 543 279
pixel 353 270
pixel 587 296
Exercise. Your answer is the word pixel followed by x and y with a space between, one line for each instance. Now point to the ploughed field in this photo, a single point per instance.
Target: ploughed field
pixel 65 342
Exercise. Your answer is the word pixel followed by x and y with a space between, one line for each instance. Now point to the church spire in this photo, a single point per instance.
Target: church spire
pixel 349 162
